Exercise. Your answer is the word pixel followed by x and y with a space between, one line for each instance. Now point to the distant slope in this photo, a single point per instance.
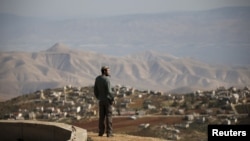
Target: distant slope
pixel 23 72
pixel 215 36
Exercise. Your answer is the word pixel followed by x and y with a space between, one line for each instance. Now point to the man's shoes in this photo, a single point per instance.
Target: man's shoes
pixel 100 135
pixel 110 135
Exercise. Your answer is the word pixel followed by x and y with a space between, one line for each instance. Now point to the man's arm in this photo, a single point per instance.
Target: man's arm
pixel 96 92
pixel 110 92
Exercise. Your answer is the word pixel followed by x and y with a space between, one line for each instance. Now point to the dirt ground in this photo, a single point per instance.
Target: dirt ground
pixel 123 126
pixel 120 137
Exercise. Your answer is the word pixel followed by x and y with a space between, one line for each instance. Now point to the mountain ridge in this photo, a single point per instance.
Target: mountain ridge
pixel 28 72
pixel 58 47
pixel 217 35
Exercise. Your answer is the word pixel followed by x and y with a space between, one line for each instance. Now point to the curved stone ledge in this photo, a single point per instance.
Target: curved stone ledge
pixel 30 130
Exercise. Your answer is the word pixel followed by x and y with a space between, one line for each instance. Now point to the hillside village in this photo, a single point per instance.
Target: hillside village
pixel 67 104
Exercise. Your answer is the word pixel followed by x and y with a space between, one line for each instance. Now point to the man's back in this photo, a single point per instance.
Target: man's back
pixel 103 93
pixel 101 88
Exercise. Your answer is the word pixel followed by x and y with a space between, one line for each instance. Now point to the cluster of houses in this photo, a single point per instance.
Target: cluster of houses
pixel 79 102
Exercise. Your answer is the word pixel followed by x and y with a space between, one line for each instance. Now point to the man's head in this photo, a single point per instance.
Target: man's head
pixel 105 70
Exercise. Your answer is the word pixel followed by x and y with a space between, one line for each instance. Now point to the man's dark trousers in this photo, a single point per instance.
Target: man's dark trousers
pixel 105 112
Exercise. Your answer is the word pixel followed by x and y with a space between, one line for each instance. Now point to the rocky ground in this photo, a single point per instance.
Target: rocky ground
pixel 120 137
pixel 126 129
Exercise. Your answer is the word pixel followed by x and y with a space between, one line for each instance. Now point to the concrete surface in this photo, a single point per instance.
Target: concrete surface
pixel 32 130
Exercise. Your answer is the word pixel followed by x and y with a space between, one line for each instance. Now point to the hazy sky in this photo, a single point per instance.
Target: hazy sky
pixel 90 8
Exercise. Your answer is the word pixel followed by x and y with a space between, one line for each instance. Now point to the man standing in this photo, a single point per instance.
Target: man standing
pixel 103 92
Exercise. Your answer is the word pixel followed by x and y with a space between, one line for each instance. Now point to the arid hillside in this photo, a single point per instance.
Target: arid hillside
pixel 139 113
pixel 23 72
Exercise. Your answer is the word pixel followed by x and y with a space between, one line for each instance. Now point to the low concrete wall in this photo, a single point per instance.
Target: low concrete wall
pixel 26 130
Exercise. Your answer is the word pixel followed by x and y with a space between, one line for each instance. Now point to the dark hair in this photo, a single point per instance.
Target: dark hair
pixel 104 68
